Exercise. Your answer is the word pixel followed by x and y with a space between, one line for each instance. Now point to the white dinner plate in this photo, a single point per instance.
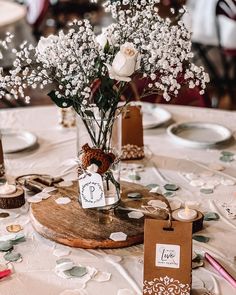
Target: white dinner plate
pixel 153 115
pixel 16 141
pixel 199 134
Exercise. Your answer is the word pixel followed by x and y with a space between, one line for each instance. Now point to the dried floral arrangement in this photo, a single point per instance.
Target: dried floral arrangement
pixel 90 73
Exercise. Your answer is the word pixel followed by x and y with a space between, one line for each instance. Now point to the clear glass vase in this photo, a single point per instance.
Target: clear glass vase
pixel 106 136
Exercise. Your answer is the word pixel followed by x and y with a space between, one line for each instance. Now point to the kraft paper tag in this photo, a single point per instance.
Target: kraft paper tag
pixel 132 133
pixel 167 257
pixel 2 172
pixel 91 190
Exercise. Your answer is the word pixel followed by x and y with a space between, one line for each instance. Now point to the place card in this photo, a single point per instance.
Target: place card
pixel 167 257
pixel 91 190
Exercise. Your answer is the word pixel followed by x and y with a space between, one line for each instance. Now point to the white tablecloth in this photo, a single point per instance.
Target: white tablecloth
pixel 57 149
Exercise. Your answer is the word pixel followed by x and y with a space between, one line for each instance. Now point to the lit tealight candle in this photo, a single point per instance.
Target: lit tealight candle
pixel 7 189
pixel 187 214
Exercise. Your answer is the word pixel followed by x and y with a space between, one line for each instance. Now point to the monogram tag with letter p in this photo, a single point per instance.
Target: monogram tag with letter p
pixel 91 190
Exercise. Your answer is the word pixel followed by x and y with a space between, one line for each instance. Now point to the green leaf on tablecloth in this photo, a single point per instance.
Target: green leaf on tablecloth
pixel 6 246
pixel 60 102
pixel 211 216
pixel 134 177
pixel 197 264
pixel 63 260
pixel 227 154
pixel 226 159
pixel 76 271
pixel 168 194
pixel 12 256
pixel 152 185
pixel 171 187
pixel 201 239
pixel 206 191
pixel 134 195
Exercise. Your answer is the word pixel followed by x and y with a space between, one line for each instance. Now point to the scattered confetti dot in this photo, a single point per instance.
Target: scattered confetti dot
pixel 76 271
pixel 175 204
pixel 169 194
pixel 12 257
pixel 102 276
pixel 208 186
pixel 118 236
pixel 6 246
pixel 135 215
pixel 157 203
pixel 171 187
pixel 61 252
pixel 64 266
pixel 49 189
pixel 192 204
pixel 34 199
pixel 211 216
pixel 134 177
pixel 152 185
pixel 14 228
pixel 65 183
pixel 227 154
pixel 227 182
pixel 63 200
pixel 206 191
pixel 207 174
pixel 227 159
pixel 197 182
pixel 201 239
pixel 191 176
pixel 134 195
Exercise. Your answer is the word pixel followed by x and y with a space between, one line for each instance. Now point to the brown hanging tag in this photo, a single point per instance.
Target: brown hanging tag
pixel 167 257
pixel 2 169
pixel 132 134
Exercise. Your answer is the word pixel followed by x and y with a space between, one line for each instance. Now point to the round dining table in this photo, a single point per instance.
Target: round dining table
pixel 167 161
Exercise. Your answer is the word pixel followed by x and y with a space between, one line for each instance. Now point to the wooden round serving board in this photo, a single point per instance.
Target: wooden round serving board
pixel 89 228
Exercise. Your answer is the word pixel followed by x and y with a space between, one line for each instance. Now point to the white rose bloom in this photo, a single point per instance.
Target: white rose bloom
pixel 104 37
pixel 124 64
pixel 45 43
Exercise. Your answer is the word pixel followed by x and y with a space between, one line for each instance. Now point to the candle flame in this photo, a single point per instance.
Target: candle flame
pixel 186 210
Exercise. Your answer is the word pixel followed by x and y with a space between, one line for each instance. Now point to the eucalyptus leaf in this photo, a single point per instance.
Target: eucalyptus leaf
pixel 211 216
pixel 6 246
pixel 76 271
pixel 60 102
pixel 201 239
pixel 12 256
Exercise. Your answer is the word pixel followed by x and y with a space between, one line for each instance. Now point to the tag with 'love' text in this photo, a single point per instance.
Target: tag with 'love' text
pixel 91 190
pixel 167 257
